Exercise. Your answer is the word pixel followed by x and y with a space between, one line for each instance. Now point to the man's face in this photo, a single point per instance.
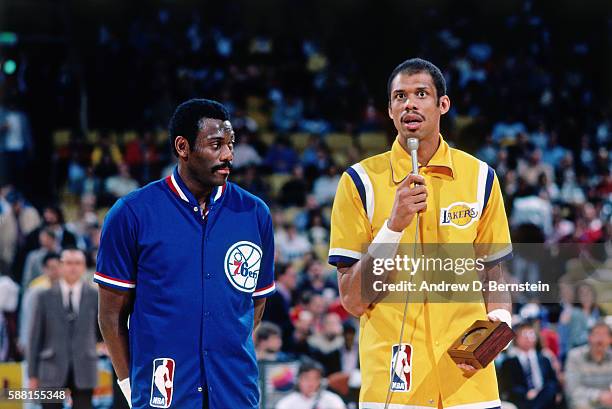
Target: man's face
pixel 50 216
pixel 52 269
pixel 526 339
pixel 73 265
pixel 210 160
pixel 289 279
pixel 309 383
pixel 273 344
pixel 414 106
pixel 599 339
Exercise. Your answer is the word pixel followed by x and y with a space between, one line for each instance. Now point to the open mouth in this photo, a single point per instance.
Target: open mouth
pixel 412 121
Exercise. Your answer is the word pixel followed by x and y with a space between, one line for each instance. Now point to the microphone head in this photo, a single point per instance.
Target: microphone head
pixel 413 144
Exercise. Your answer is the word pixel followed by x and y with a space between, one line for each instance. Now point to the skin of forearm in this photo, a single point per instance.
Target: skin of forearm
pixel 115 333
pixel 356 297
pixel 496 300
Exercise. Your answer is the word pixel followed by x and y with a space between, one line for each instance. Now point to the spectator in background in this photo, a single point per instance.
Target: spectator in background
pixel 34 260
pixel 528 378
pixel 528 208
pixel 280 303
pixel 18 219
pixel 287 113
pixel 316 281
pixel 16 145
pixel 244 153
pixel 268 343
pixel 567 296
pixel 533 167
pixel 106 157
pixel 62 350
pixel 293 246
pixel 142 157
pixel 540 137
pixel 327 344
pixel 554 153
pixel 121 184
pixel 281 157
pixel 318 231
pixel 349 353
pixel 303 323
pixel 505 131
pixel 50 277
pixel 488 151
pixel 325 186
pixel 589 226
pixel 588 371
pixel 309 155
pixel 53 218
pixel 254 184
pixel 293 192
pixel 547 189
pixel 310 394
pixel 317 306
pixel 9 296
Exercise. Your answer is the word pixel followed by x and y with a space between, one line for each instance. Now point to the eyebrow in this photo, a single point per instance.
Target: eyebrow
pixel 216 137
pixel 420 87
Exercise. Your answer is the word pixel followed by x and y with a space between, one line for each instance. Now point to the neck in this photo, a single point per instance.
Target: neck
pixel 71 283
pixel 597 355
pixel 427 147
pixel 201 192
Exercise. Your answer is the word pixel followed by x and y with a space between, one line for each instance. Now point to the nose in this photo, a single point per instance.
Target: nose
pixel 227 154
pixel 410 105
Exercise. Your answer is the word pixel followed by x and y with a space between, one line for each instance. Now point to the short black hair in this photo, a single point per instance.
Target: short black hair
pixel 186 117
pixel 523 325
pixel 415 66
pixel 600 324
pixel 50 256
pixel 309 364
pixel 265 330
pixel 280 269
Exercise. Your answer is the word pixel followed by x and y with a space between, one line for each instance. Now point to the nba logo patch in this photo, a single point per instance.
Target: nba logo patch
pixel 162 384
pixel 242 263
pixel 401 367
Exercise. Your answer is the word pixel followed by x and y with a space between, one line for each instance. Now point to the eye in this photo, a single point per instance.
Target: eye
pixel 400 96
pixel 421 94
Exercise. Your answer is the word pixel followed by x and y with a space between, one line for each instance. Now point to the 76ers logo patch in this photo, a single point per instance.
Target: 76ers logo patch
pixel 401 368
pixel 242 263
pixel 162 384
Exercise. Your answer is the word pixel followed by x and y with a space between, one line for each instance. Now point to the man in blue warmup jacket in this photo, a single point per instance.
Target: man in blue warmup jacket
pixel 189 260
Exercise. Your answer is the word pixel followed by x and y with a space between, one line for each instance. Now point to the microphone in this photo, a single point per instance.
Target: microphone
pixel 413 147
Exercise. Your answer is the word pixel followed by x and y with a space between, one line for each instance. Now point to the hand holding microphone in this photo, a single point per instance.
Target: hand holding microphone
pixel 409 200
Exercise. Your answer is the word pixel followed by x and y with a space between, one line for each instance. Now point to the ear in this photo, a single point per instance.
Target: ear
pixel 181 144
pixel 444 104
pixel 389 110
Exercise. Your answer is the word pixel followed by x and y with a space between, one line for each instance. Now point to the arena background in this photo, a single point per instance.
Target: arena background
pixel 92 84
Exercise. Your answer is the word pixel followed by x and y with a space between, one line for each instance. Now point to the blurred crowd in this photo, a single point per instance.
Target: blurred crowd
pixel 304 108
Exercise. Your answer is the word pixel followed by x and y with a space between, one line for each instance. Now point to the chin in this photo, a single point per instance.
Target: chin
pixel 218 181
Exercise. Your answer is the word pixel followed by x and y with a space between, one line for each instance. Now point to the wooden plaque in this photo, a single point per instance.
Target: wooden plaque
pixel 481 343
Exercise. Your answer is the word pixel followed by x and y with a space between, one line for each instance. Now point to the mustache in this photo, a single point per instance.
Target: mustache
pixel 225 165
pixel 412 113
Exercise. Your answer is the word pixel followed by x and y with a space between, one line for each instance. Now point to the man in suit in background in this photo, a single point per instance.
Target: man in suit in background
pixel 528 378
pixel 62 350
pixel 280 303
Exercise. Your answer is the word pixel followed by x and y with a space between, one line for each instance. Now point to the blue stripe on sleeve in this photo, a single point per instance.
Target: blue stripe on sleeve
pixel 359 185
